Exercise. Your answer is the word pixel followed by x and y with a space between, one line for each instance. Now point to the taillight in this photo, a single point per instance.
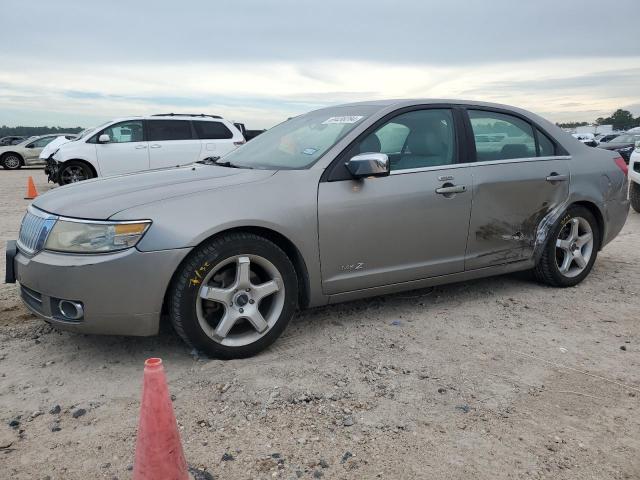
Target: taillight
pixel 621 165
pixel 237 144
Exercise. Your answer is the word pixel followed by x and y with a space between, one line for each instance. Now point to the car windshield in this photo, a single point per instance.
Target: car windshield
pixel 300 141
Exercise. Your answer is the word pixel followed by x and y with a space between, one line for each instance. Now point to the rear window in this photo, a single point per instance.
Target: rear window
pixel 212 130
pixel 159 130
pixel 547 148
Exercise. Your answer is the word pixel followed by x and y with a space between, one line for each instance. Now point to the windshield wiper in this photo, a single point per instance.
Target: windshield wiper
pixel 228 164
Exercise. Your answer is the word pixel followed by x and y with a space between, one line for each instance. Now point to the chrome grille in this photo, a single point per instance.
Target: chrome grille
pixel 34 230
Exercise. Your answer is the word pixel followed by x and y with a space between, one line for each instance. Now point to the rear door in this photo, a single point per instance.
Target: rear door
pixel 126 151
pixel 403 227
pixel 171 143
pixel 519 176
pixel 216 138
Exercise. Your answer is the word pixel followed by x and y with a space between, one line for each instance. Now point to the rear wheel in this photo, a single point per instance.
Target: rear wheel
pixel 74 171
pixel 11 161
pixel 571 249
pixel 233 296
pixel 634 195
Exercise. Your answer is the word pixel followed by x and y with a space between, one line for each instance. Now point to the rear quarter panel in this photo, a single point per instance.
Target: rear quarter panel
pixel 596 179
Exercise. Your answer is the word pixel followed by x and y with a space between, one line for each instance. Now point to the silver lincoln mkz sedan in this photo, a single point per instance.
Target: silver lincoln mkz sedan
pixel 341 203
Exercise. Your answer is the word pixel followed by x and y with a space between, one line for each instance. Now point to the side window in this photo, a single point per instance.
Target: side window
pixel 125 132
pixel 212 130
pixel 547 148
pixel 42 142
pixel 501 137
pixel 416 139
pixel 158 130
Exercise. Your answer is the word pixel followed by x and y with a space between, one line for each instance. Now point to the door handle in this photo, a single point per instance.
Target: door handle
pixel 555 177
pixel 156 146
pixel 451 189
pixel 140 146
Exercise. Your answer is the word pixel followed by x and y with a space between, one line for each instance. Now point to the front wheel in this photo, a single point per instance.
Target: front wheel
pixel 634 195
pixel 11 161
pixel 571 249
pixel 233 296
pixel 74 171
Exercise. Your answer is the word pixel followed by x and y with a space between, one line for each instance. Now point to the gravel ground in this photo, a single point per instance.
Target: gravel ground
pixel 492 379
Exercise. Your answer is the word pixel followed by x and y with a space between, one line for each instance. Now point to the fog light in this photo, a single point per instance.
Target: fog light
pixel 70 310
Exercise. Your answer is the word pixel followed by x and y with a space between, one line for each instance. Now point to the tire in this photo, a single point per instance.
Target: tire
pixel 11 161
pixel 227 326
pixel 560 264
pixel 634 195
pixel 74 171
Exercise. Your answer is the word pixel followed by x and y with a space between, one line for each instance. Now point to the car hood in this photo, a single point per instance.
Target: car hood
pixel 102 198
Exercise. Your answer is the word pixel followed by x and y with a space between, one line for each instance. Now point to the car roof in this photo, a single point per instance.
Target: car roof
pixel 174 116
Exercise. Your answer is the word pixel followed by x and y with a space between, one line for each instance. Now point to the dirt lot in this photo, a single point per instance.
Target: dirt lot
pixel 497 378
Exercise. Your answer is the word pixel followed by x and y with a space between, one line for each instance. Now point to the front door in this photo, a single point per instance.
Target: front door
pixel 410 225
pixel 126 152
pixel 517 180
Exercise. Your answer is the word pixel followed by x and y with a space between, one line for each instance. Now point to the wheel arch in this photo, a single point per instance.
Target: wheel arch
pixel 94 172
pixel 4 154
pixel 289 248
pixel 597 213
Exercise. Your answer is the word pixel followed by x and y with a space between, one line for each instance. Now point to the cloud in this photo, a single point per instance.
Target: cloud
pixel 260 62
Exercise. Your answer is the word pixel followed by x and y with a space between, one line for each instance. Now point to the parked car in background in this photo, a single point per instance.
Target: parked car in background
pixel 135 144
pixel 586 138
pixel 246 133
pixel 607 137
pixel 634 177
pixel 26 152
pixel 251 134
pixel 623 144
pixel 341 203
pixel 11 140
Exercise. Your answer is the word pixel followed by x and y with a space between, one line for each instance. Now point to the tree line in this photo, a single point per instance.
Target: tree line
pixel 620 119
pixel 29 131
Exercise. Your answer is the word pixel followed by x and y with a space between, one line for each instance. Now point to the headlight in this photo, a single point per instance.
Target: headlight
pixel 73 236
pixel 638 146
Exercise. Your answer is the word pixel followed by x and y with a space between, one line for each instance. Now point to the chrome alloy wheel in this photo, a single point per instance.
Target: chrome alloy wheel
pixel 73 174
pixel 574 247
pixel 12 162
pixel 240 300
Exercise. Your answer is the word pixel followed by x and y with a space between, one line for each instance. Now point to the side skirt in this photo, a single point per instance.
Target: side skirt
pixel 432 281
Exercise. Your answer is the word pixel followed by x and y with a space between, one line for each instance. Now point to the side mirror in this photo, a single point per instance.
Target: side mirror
pixel 104 138
pixel 369 165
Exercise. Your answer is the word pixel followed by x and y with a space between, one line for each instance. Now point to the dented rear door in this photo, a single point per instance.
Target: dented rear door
pixel 510 199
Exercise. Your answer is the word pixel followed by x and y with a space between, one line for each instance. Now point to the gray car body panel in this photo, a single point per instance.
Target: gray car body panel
pixel 334 225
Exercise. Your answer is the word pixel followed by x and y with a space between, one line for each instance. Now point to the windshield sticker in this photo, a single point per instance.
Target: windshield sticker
pixel 347 119
pixel 309 151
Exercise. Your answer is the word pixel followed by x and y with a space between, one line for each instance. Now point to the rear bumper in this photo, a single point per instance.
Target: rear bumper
pixel 616 211
pixel 120 293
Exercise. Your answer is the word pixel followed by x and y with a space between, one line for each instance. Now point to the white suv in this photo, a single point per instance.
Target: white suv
pixel 634 178
pixel 134 144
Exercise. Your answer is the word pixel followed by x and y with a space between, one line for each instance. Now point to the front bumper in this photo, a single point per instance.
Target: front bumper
pixel 121 293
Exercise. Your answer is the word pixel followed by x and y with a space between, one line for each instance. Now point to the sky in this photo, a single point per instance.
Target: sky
pixel 74 63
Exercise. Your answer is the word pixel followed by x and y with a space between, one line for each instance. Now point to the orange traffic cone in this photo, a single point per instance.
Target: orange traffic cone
pixel 31 190
pixel 159 452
